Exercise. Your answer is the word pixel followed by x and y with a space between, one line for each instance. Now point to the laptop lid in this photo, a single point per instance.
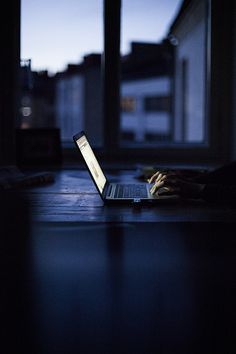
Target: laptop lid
pixel 90 159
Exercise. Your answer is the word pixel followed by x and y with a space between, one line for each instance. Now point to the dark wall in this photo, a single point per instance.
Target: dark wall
pixel 9 71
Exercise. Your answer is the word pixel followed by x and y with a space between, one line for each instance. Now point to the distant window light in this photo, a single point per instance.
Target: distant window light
pixel 128 104
pixel 26 111
pixel 157 104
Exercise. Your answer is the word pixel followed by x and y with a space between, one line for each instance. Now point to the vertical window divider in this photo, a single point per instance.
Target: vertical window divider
pixel 111 74
pixel 9 80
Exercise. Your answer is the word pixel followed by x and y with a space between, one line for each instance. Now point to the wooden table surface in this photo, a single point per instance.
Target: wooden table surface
pixel 91 279
pixel 74 198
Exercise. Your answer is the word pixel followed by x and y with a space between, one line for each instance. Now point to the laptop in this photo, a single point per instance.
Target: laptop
pixel 113 192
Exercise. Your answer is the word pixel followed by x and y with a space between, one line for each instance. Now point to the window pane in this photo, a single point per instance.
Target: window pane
pixel 61 46
pixel 163 71
pixel 190 75
pixel 157 104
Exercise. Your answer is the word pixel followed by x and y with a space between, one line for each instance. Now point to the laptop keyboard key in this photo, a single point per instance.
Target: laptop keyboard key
pixel 130 191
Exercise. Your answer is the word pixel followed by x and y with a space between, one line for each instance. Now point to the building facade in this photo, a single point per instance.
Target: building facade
pixel 189 32
pixel 145 90
pixel 79 100
pixel 146 93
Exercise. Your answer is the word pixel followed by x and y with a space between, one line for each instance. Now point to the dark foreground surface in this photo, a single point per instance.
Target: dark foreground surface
pixel 79 277
pixel 122 288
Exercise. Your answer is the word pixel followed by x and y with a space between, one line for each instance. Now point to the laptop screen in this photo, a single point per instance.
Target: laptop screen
pixel 91 162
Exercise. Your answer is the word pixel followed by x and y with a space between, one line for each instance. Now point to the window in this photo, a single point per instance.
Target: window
pixel 146 91
pixel 128 104
pixel 157 104
pixel 61 67
pixel 164 67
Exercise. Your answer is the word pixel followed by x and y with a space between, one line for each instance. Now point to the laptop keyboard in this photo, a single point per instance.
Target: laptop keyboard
pixel 130 191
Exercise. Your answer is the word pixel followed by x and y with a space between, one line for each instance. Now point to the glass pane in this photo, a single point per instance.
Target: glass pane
pixel 61 46
pixel 163 50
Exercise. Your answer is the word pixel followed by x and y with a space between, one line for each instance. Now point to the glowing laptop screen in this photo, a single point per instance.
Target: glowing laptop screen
pixel 92 163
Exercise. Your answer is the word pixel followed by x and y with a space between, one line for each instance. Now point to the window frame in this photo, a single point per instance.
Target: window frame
pixel 220 91
pixel 218 69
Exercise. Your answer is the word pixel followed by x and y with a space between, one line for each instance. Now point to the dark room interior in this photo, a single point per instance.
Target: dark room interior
pixel 84 270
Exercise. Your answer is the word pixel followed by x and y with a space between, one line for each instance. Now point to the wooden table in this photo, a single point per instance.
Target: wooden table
pixel 73 198
pixel 86 278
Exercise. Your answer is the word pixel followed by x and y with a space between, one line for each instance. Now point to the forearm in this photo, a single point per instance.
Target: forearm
pixel 219 194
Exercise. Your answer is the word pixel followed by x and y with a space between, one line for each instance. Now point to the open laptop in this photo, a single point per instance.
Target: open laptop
pixel 113 192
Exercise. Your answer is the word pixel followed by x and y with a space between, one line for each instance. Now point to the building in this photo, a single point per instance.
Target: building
pixel 189 34
pixel 146 93
pixel 146 90
pixel 79 99
pixel 37 99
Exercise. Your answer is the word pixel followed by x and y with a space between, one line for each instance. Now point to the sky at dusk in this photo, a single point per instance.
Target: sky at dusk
pixel 57 32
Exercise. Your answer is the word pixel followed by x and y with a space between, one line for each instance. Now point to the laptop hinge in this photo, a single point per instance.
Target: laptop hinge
pixel 109 190
pixel 106 190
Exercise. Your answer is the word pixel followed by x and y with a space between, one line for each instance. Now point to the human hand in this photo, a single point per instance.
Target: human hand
pixel 183 173
pixel 170 183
